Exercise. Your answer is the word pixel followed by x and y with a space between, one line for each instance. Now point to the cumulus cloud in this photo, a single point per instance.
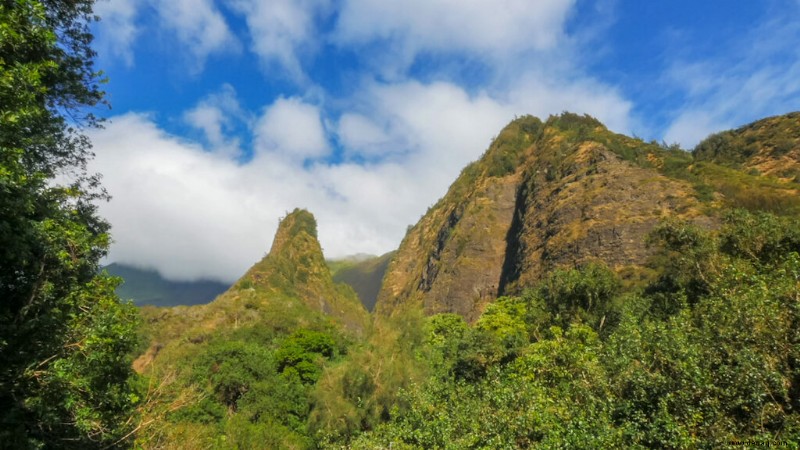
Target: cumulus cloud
pixel 191 213
pixel 293 129
pixel 174 206
pixel 281 31
pixel 117 30
pixel 199 26
pixel 216 116
pixel 361 136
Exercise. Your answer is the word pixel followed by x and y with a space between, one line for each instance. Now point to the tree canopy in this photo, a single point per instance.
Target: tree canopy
pixel 65 338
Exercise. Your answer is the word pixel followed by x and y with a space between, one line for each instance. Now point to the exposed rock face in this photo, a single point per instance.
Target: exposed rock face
pixel 544 195
pixel 465 246
pixel 599 208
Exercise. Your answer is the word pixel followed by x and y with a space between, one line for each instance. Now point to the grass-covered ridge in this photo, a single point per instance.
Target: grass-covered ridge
pixel 769 146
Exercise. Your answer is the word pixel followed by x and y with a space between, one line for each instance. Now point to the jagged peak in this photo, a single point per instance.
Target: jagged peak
pixel 298 222
pixel 295 268
pixel 295 258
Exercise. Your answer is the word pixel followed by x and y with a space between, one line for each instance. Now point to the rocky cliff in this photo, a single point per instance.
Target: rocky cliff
pixel 561 193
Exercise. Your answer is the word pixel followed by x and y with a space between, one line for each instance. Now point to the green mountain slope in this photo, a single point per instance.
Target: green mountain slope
pixel 248 359
pixel 769 146
pixel 148 287
pixel 576 287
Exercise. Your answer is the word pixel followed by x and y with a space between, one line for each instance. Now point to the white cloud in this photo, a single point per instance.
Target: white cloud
pixel 215 116
pixel 191 213
pixel 211 120
pixel 542 95
pixel 488 28
pixel 293 129
pixel 199 26
pixel 175 206
pixel 117 30
pixel 361 136
pixel 281 31
pixel 440 122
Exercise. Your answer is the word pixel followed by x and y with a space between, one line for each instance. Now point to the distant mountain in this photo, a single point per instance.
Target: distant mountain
pixel 148 287
pixel 364 273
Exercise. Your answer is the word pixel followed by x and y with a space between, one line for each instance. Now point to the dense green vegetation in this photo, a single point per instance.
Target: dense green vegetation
pixel 245 387
pixel 705 356
pixel 65 339
pixel 239 372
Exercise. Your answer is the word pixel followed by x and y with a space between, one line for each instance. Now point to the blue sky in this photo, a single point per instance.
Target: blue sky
pixel 228 113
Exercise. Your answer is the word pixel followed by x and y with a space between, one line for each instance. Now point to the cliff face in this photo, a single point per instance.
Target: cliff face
pixel 452 259
pixel 557 193
pixel 589 204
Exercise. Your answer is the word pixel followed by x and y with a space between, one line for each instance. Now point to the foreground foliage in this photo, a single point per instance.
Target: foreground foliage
pixel 65 375
pixel 240 386
pixel 706 356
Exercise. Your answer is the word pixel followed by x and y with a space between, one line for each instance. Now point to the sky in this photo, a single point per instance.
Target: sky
pixel 227 114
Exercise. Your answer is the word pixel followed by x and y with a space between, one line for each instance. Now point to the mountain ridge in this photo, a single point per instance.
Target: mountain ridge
pixel 291 287
pixel 555 193
pixel 364 273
